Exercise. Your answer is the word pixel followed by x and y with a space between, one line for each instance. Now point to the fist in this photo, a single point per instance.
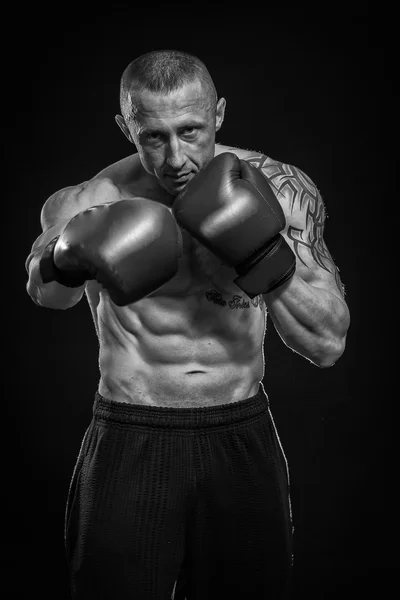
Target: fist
pixel 231 209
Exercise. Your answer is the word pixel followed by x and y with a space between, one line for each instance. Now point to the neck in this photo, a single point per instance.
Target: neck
pixel 153 190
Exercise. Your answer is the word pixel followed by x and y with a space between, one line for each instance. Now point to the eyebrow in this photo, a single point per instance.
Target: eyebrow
pixel 191 123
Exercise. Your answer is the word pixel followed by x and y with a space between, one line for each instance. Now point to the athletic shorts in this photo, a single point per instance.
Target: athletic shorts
pixel 175 503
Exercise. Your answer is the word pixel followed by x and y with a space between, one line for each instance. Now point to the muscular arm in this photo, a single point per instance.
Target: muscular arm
pixel 56 213
pixel 309 311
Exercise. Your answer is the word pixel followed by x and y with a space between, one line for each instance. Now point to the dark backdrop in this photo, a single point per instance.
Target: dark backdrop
pixel 310 88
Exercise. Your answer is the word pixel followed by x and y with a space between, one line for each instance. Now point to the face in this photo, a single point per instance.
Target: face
pixel 174 134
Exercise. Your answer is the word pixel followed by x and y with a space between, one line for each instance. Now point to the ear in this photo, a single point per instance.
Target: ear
pixel 220 113
pixel 123 127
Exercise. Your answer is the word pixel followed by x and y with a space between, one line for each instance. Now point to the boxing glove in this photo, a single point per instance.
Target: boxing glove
pixel 131 247
pixel 231 209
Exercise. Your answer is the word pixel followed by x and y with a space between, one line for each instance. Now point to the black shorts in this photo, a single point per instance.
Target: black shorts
pixel 185 502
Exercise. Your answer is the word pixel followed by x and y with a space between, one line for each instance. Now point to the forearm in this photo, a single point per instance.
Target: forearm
pixel 49 295
pixel 312 321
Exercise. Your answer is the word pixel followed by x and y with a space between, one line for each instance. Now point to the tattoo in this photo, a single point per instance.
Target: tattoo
pixel 289 181
pixel 316 245
pixel 236 302
pixel 315 219
pixel 296 186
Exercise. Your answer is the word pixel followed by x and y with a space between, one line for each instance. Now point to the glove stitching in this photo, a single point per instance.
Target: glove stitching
pixel 266 199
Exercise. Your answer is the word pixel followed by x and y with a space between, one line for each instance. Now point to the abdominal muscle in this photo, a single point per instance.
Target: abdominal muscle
pixel 171 385
pixel 201 349
pixel 197 341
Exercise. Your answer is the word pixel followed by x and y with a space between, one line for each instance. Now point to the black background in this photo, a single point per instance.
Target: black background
pixel 310 87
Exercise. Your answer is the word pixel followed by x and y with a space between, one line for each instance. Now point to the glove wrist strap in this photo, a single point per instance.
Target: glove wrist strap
pixel 50 272
pixel 268 269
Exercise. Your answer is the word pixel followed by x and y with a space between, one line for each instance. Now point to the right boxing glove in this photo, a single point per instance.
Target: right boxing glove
pixel 131 247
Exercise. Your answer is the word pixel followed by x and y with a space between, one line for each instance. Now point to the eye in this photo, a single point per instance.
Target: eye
pixel 190 131
pixel 153 135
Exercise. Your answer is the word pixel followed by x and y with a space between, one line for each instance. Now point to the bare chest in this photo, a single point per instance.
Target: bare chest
pixel 200 301
pixel 201 297
pixel 204 277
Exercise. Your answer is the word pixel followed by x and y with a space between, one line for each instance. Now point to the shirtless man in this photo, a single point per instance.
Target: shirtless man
pixel 181 485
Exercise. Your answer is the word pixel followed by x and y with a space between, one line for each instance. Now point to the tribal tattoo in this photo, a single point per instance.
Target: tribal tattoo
pixel 298 188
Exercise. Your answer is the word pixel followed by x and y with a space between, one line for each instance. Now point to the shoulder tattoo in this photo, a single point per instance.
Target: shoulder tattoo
pixel 302 194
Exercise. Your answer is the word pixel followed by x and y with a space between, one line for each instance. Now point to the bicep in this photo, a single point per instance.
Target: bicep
pixel 304 232
pixel 305 215
pixel 314 263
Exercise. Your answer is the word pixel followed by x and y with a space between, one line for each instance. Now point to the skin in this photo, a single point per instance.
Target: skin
pixel 174 134
pixel 199 339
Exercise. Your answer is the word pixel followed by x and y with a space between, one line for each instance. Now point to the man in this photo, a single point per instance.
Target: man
pixel 181 485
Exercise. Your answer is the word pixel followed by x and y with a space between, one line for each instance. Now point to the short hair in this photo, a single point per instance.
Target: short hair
pixel 163 71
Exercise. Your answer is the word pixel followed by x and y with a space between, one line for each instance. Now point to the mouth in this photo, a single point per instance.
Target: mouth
pixel 179 179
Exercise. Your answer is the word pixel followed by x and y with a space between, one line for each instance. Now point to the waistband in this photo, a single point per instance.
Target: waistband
pixel 187 418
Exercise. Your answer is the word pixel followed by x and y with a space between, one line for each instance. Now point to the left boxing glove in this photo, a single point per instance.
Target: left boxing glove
pixel 231 209
pixel 132 247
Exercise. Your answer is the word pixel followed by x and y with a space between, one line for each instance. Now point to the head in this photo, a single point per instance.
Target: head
pixel 171 113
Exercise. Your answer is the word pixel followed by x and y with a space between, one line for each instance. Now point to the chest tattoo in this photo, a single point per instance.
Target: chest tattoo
pixel 236 302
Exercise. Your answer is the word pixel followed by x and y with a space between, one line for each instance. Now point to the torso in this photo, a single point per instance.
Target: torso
pixel 196 341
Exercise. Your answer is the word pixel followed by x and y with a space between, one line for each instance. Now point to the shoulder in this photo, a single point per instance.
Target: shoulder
pixel 241 153
pixel 256 158
pixel 283 177
pixel 104 187
pixel 296 192
pixel 60 205
pixel 69 201
pixel 124 171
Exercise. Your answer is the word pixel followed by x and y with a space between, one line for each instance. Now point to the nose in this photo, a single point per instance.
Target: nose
pixel 175 155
